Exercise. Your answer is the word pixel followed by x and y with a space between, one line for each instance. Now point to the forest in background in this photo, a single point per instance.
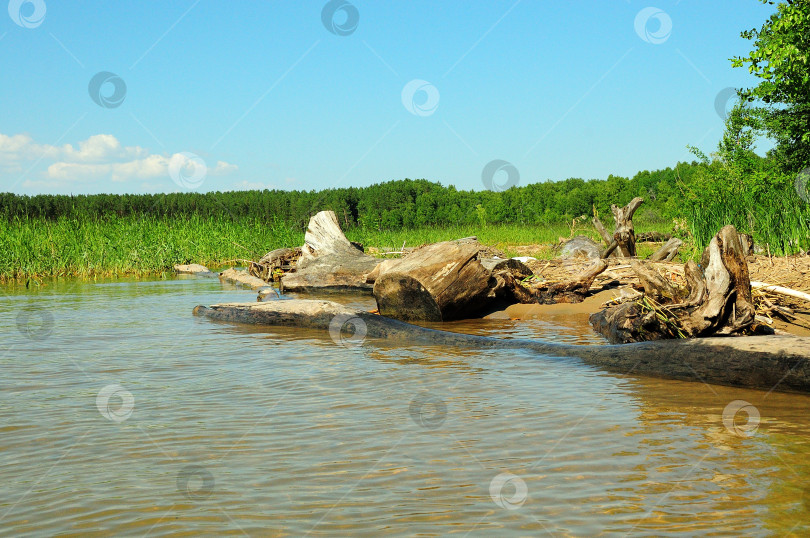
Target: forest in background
pixel 391 205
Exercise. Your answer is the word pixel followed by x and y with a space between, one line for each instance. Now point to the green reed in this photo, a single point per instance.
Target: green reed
pixel 118 246
pixel 112 246
pixel 757 200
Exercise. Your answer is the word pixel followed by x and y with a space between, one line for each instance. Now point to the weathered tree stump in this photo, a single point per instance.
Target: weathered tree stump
pixel 717 299
pixel 329 262
pixel 624 235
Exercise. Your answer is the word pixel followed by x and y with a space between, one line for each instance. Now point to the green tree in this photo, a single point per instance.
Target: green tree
pixel 780 60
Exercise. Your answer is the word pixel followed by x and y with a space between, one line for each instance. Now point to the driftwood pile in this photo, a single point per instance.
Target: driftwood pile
pixel 463 279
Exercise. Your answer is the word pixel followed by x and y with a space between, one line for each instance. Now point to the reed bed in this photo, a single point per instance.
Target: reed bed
pixel 38 248
pixel 118 246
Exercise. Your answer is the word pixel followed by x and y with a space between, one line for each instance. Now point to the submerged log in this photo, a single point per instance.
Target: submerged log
pixel 716 300
pixel 439 282
pixel 780 363
pixel 329 262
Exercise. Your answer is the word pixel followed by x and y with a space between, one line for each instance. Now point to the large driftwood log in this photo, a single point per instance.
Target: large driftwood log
pixel 446 281
pixel 329 262
pixel 780 363
pixel 624 234
pixel 438 282
pixel 717 299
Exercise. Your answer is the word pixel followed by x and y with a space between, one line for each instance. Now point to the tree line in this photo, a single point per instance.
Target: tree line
pixel 397 204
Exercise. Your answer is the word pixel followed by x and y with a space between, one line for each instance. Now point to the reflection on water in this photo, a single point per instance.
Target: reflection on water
pixel 123 414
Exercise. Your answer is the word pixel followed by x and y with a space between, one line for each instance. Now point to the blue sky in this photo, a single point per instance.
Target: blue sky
pixel 239 95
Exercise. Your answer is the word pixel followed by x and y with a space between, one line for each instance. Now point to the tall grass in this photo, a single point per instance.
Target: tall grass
pixel 117 246
pixel 756 199
pixel 112 246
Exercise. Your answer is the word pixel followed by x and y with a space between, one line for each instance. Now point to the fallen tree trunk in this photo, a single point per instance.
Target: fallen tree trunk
pixel 329 262
pixel 780 363
pixel 603 233
pixel 439 282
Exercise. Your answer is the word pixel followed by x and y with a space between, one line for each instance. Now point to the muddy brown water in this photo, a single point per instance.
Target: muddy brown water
pixel 122 414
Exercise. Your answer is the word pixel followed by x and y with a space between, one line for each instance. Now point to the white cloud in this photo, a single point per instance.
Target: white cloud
pixel 100 157
pixel 222 169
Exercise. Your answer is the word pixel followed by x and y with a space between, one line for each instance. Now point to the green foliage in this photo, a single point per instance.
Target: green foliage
pixel 385 206
pixel 780 60
pixel 112 246
pixel 751 192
